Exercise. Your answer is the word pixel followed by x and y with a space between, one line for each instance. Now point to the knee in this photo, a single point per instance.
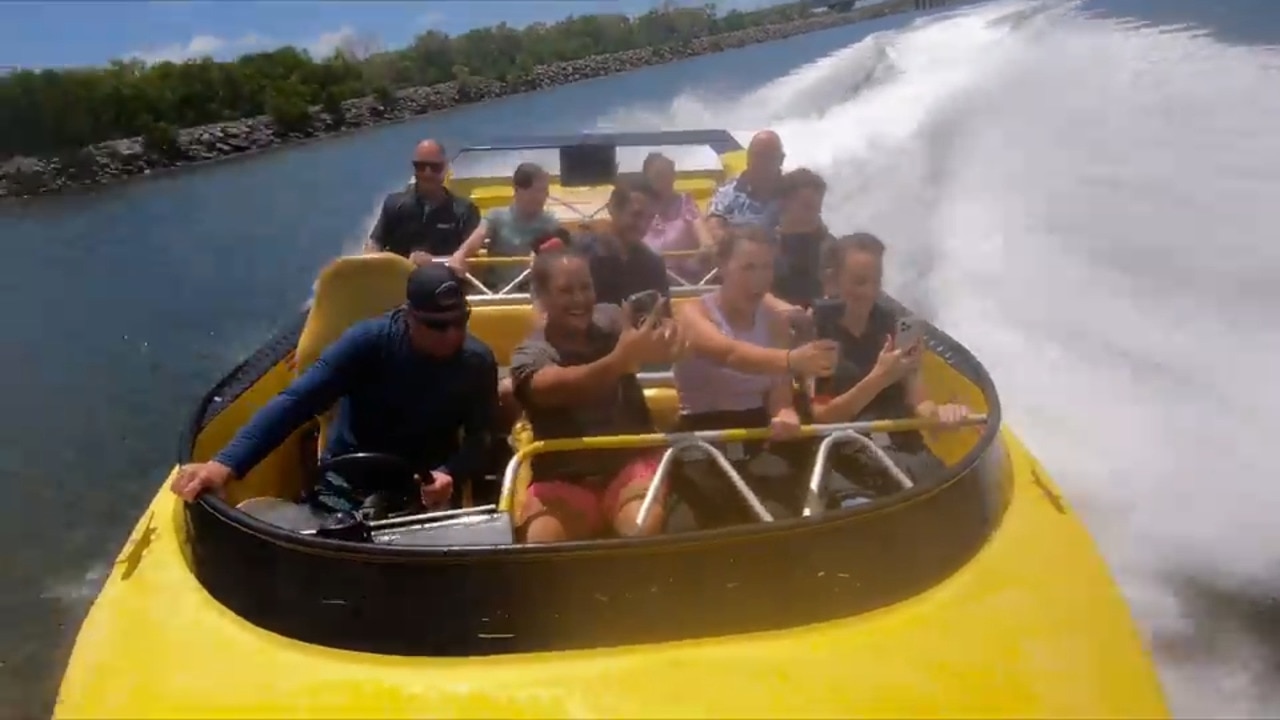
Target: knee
pixel 541 523
pixel 544 527
pixel 626 498
pixel 558 511
pixel 627 522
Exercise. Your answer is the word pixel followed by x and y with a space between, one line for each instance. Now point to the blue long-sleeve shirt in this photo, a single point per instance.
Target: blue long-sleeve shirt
pixel 390 400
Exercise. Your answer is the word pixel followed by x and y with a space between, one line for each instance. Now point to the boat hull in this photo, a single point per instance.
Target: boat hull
pixel 980 596
pixel 984 596
pixel 1030 626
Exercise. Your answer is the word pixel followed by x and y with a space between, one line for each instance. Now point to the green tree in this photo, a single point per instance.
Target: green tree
pixel 287 106
pixel 385 96
pixel 331 103
pixel 57 112
pixel 161 140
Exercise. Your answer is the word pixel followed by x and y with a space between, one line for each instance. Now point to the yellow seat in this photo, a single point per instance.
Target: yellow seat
pixel 349 290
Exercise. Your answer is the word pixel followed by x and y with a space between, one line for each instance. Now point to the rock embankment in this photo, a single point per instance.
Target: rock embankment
pixel 118 159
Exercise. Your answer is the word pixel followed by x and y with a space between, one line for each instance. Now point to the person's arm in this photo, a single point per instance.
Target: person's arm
pixel 659 281
pixel 377 241
pixel 781 397
pixel 848 404
pixel 697 226
pixel 717 211
pixel 778 305
pixel 310 395
pixel 918 395
pixel 475 240
pixel 707 340
pixel 470 220
pixel 702 233
pixel 538 379
pixel 477 422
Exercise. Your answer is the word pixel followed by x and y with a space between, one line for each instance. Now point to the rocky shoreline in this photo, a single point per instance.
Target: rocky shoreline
pixel 120 159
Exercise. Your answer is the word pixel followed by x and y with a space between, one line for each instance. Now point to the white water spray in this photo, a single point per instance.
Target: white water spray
pixel 1091 205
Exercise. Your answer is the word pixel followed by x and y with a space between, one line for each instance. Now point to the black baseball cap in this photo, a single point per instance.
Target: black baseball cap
pixel 435 292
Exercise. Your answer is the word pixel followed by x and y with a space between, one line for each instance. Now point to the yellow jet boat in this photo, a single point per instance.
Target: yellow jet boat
pixel 981 596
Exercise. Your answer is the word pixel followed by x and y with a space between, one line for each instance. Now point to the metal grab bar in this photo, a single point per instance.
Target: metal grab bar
pixel 818 477
pixel 479 285
pixel 664 470
pixel 618 442
pixel 681 282
pixel 395 522
pixel 512 285
pixel 506 291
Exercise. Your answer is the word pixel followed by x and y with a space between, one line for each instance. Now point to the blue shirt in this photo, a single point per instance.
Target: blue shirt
pixel 391 400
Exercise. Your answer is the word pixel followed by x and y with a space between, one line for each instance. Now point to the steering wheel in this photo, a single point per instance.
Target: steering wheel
pixel 372 470
pixel 387 483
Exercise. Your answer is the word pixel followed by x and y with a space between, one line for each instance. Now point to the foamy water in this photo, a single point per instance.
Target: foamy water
pixel 1091 205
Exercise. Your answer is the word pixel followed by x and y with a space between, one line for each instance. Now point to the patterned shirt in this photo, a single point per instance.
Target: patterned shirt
pixel 732 203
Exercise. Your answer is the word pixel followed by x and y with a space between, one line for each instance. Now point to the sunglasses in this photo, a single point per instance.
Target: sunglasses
pixel 435 167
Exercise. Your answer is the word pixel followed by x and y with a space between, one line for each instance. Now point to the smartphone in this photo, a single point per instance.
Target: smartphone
pixel 910 331
pixel 644 303
pixel 803 327
pixel 827 312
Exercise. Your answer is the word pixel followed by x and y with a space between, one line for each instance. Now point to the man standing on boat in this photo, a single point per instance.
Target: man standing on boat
pixel 426 220
pixel 752 198
pixel 406 384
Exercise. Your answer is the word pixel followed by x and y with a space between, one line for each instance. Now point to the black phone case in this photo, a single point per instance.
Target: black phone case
pixel 827 312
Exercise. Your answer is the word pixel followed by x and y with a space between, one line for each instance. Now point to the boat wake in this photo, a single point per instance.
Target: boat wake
pixel 1090 204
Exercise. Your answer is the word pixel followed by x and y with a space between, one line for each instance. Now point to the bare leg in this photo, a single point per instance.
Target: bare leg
pixel 557 512
pixel 626 494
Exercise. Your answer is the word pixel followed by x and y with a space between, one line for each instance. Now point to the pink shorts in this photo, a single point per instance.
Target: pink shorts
pixel 597 504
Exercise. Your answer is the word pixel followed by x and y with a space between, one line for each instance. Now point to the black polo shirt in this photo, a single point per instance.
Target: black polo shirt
pixel 617 276
pixel 408 222
pixel 858 355
pixel 797 269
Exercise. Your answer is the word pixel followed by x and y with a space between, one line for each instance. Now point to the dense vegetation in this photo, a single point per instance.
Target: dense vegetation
pixel 50 111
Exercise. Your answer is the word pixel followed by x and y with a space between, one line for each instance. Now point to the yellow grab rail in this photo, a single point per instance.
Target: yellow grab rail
pixel 622 442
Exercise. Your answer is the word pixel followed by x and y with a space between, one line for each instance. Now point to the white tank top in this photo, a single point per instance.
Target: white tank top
pixel 704 386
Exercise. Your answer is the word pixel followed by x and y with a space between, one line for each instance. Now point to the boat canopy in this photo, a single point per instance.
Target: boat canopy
pixel 593 158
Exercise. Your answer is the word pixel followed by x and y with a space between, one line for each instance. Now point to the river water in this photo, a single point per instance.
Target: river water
pixel 1085 194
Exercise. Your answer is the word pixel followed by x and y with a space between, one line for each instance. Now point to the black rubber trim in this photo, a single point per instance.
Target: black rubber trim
pixel 532 598
pixel 239 380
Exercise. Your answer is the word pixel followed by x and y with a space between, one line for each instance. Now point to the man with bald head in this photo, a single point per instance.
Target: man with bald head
pixel 752 197
pixel 424 220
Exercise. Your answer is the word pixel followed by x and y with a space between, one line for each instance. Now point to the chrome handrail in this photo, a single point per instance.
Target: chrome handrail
pixel 818 476
pixel 664 470
pixel 619 442
pixel 507 291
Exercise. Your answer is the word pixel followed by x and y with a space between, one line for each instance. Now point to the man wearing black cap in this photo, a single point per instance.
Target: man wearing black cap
pixel 405 382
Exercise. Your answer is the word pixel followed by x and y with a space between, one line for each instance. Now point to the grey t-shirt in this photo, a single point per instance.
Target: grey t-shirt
pixel 620 410
pixel 513 236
